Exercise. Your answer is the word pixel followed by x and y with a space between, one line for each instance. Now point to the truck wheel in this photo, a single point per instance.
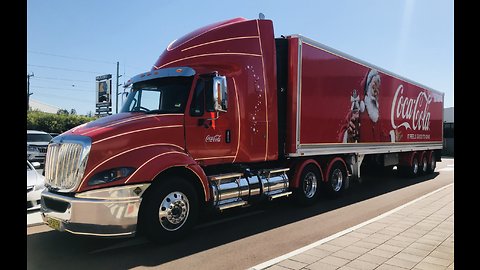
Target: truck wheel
pixel 337 177
pixel 307 192
pixel 170 210
pixel 412 170
pixel 432 164
pixel 424 165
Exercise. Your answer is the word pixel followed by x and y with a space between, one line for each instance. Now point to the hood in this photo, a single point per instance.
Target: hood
pixel 127 139
pixel 125 123
pixel 115 134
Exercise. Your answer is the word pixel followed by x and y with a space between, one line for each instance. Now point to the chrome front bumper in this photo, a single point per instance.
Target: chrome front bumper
pixel 103 212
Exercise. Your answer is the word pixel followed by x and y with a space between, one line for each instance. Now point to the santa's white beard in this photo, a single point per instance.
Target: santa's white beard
pixel 371 105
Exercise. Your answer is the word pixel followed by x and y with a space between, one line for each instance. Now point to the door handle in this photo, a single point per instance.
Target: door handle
pixel 227 136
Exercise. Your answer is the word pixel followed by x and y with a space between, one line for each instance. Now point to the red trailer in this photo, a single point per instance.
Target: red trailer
pixel 228 116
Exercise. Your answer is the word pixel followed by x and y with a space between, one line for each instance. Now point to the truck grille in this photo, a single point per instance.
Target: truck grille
pixel 65 163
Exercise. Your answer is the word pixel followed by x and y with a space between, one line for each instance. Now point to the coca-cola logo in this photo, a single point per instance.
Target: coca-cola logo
pixel 214 138
pixel 411 113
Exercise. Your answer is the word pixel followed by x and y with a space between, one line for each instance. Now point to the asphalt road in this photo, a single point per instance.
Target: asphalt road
pixel 239 238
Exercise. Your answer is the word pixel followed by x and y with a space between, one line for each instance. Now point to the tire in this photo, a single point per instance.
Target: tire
pixel 413 170
pixel 432 164
pixel 309 186
pixel 424 165
pixel 170 210
pixel 337 179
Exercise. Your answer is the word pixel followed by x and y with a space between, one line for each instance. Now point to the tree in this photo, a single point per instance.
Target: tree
pixel 62 112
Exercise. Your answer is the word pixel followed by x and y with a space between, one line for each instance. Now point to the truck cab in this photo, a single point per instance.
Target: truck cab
pixel 203 107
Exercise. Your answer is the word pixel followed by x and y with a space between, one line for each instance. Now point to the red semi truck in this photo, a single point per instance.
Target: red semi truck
pixel 227 116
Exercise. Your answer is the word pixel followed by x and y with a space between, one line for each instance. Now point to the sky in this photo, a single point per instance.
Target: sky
pixel 70 43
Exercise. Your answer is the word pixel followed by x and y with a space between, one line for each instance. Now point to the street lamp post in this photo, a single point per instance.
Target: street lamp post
pixel 28 90
pixel 116 88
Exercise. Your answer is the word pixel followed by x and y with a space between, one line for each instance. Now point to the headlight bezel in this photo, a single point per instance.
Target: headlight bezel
pixel 110 175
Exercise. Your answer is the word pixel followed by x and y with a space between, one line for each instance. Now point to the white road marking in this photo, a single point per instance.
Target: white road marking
pixel 324 240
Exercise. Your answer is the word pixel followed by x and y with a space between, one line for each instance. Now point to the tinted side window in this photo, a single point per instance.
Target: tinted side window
pixel 209 104
pixel 198 99
pixel 202 97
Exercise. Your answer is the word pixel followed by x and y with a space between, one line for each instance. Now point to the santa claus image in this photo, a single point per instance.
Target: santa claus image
pixel 362 122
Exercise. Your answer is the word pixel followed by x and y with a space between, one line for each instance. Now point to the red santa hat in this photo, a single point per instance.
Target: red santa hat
pixel 366 82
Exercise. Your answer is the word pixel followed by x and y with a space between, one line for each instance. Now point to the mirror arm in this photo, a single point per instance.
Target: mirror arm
pixel 216 117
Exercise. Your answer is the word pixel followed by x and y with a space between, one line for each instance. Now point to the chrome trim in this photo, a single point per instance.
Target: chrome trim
pixel 104 212
pixel 362 148
pixel 279 195
pixel 236 189
pixel 161 73
pixel 274 182
pixel 65 162
pixel 299 92
pixel 174 211
pixel 337 180
pixel 130 192
pixel 309 185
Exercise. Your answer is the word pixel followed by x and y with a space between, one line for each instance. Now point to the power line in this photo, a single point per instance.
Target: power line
pixel 76 89
pixel 63 97
pixel 89 60
pixel 71 57
pixel 66 69
pixel 68 80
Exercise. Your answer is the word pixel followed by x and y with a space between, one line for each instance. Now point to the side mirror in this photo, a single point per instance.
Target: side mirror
pixel 220 93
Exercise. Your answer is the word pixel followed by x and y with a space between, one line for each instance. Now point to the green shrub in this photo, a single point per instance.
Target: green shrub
pixel 54 123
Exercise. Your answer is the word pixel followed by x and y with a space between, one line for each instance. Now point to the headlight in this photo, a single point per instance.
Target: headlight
pixel 110 175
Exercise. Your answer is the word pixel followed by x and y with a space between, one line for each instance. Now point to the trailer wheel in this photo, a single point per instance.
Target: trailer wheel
pixel 337 178
pixel 432 164
pixel 424 165
pixel 170 210
pixel 307 192
pixel 412 170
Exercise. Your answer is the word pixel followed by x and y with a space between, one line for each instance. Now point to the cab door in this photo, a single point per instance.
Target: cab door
pixel 211 135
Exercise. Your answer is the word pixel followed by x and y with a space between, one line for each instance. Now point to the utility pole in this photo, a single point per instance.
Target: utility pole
pixel 117 85
pixel 28 90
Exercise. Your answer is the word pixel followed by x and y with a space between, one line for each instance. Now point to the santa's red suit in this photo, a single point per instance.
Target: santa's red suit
pixel 371 131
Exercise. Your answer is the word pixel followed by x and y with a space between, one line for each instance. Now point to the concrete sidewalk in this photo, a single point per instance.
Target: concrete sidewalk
pixel 418 235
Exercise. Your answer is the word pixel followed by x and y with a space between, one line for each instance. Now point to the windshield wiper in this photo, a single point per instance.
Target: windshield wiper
pixel 157 111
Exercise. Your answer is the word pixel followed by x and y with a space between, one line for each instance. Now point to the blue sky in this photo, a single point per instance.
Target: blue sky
pixel 69 43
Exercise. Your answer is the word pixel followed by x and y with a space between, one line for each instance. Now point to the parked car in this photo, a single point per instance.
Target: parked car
pixel 35 185
pixel 37 142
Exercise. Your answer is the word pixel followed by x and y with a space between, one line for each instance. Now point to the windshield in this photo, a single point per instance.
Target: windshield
pixel 162 95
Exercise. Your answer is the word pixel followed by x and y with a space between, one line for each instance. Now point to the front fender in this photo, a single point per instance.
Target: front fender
pixel 147 160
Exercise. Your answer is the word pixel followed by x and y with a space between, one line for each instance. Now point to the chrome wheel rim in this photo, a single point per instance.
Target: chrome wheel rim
pixel 337 180
pixel 309 185
pixel 433 164
pixel 415 166
pixel 174 211
pixel 425 165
